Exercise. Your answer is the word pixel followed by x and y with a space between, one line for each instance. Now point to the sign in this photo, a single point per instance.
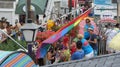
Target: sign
pixel 102 2
pixel 101 8
pixel 104 5
pixel 107 15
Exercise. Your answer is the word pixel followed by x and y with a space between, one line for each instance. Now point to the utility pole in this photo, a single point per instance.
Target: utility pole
pixel 70 9
pixel 118 9
pixel 28 12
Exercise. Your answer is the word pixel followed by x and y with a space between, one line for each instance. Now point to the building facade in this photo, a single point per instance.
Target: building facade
pixel 7 10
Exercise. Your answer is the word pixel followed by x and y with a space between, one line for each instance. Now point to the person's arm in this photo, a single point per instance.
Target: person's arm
pixel 49 56
pixel 94 41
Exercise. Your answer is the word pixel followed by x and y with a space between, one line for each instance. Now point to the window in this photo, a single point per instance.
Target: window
pixel 4 4
pixel 114 1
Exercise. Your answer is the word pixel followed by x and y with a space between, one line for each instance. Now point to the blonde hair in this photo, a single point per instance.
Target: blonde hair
pixel 80 36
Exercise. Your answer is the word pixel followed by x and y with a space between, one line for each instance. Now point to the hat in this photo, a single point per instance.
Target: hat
pixel 90 29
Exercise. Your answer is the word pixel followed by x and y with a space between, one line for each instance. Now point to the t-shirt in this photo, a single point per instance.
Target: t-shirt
pixel 110 34
pixel 93 45
pixel 86 35
pixel 67 54
pixel 88 26
pixel 77 55
pixel 65 41
pixel 86 46
pixel 73 49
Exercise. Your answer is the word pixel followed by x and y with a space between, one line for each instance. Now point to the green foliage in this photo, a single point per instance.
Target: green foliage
pixel 9 45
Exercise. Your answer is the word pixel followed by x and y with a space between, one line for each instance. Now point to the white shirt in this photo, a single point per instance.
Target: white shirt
pixel 110 34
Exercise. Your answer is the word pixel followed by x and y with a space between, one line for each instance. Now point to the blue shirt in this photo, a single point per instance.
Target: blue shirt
pixel 88 26
pixel 86 46
pixel 77 55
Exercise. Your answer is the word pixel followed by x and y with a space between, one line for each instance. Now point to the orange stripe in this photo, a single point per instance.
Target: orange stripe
pixel 30 64
pixel 14 60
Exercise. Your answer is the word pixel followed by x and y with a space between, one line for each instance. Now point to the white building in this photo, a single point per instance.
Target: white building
pixel 7 10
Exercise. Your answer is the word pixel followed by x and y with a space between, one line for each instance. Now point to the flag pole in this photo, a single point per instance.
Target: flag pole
pixel 14 40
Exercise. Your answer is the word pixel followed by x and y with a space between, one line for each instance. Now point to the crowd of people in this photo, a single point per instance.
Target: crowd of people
pixel 6 27
pixel 83 45
pixel 79 48
pixel 69 48
pixel 110 31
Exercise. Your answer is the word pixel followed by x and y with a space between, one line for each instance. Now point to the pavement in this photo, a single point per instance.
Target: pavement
pixel 109 60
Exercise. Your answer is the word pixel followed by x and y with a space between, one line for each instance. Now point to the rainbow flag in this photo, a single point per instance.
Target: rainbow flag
pixel 42 50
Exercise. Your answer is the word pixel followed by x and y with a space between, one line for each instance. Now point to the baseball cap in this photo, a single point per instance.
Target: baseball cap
pixel 90 28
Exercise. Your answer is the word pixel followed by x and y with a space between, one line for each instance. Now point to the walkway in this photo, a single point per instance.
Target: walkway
pixel 111 60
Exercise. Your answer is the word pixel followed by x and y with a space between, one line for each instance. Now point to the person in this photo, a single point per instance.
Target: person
pixel 66 53
pixel 66 40
pixel 88 25
pixel 40 61
pixel 50 56
pixel 86 46
pixel 3 19
pixel 93 41
pixel 109 34
pixel 79 54
pixel 72 47
pixel 117 27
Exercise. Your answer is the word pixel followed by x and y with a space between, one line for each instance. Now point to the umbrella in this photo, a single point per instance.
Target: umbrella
pixel 114 43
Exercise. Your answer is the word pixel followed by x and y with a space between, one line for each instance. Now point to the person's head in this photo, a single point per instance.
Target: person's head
pixel 106 26
pixel 117 25
pixel 80 36
pixel 91 30
pixel 73 43
pixel 88 21
pixel 3 19
pixel 6 24
pixel 79 45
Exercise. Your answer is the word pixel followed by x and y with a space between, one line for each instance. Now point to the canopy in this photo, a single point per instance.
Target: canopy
pixel 16 59
pixel 39 6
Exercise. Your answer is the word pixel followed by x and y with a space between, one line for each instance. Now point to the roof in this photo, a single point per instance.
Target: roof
pixel 16 59
pixel 39 6
pixel 111 60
